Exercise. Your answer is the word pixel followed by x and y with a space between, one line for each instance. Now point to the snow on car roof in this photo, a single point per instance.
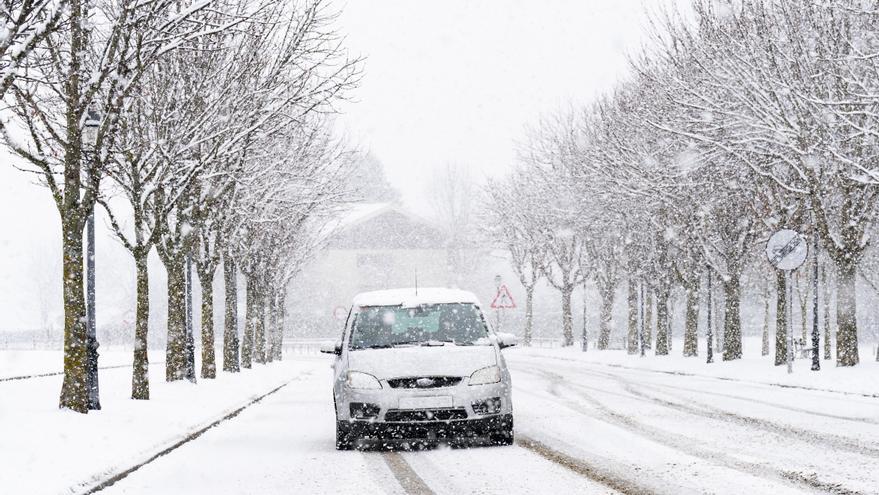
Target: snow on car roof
pixel 409 298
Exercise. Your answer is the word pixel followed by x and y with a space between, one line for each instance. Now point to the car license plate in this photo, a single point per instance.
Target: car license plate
pixel 425 402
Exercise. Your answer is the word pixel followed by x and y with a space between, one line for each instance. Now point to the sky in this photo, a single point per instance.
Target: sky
pixel 445 81
pixel 458 81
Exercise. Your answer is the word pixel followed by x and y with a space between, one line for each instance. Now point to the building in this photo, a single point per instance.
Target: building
pixel 372 247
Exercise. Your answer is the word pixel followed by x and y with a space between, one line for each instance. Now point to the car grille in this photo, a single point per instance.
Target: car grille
pixel 405 415
pixel 412 382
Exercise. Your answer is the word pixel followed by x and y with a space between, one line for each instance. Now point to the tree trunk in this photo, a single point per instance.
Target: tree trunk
pixel 662 322
pixel 691 332
pixel 648 321
pixel 567 317
pixel 74 389
pixel 764 348
pixel 230 326
pixel 259 331
pixel 732 329
pixel 208 360
pixel 780 319
pixel 529 314
pixel 719 323
pixel 279 333
pixel 140 378
pixel 250 323
pixel 271 326
pixel 828 353
pixel 584 336
pixel 175 352
pixel 846 315
pixel 607 298
pixel 632 302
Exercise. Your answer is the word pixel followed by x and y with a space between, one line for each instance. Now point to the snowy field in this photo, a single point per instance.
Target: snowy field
pixel 600 422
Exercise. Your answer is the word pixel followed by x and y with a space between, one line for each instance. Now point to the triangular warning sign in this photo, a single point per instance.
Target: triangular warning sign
pixel 503 299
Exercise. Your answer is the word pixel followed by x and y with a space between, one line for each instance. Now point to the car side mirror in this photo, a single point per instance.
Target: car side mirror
pixel 505 340
pixel 332 348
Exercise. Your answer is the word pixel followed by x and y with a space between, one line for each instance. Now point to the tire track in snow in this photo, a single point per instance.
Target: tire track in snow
pixel 57 373
pixel 181 441
pixel 713 413
pixel 738 397
pixel 593 473
pixel 707 377
pixel 409 480
pixel 673 440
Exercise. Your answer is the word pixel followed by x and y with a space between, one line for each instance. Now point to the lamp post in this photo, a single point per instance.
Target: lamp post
pixel 90 133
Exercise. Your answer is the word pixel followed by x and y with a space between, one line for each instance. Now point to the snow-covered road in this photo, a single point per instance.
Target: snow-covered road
pixel 581 428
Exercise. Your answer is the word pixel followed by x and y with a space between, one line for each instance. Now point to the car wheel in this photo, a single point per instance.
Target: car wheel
pixel 503 435
pixel 344 436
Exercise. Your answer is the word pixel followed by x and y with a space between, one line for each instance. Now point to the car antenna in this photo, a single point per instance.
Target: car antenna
pixel 416 281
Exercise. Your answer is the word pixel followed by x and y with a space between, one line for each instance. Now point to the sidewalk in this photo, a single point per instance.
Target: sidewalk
pixel 49 451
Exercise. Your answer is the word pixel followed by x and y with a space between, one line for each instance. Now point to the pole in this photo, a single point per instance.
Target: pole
pixel 92 372
pixel 710 334
pixel 497 311
pixel 641 333
pixel 816 338
pixel 790 326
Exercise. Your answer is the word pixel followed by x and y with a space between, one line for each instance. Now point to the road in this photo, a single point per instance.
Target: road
pixel 581 428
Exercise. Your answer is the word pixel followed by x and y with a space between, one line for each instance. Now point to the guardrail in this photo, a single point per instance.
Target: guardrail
pixel 303 346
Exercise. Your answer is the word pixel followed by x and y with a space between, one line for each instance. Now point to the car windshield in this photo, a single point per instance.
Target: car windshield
pixel 431 324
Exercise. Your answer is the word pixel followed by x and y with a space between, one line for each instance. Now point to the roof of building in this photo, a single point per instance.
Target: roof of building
pixel 382 226
pixel 413 297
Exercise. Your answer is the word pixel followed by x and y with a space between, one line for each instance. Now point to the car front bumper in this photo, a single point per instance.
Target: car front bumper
pixel 455 430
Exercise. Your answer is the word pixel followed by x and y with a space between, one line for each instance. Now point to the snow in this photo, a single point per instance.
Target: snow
pixel 414 297
pixel 627 421
pixel 752 369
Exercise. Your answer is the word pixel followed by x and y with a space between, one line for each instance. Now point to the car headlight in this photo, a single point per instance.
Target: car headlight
pixel 357 379
pixel 492 374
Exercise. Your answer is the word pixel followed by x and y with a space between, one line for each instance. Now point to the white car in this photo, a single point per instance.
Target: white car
pixel 420 365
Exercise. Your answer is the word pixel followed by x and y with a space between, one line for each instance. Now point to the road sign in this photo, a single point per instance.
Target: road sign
pixel 340 313
pixel 787 250
pixel 503 299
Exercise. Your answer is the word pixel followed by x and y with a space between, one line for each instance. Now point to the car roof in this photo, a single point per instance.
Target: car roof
pixel 414 297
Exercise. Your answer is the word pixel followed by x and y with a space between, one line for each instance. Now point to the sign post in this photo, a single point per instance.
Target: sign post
pixel 786 251
pixel 502 300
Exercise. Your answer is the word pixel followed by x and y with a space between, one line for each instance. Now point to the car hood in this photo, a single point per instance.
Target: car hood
pixel 448 360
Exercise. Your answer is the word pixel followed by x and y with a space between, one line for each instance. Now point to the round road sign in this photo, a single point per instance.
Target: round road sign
pixel 340 313
pixel 787 250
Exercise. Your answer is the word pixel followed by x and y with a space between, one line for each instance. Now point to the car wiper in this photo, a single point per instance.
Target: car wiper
pixel 408 342
pixel 373 346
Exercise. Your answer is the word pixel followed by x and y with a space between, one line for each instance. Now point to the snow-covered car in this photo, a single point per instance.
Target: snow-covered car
pixel 420 365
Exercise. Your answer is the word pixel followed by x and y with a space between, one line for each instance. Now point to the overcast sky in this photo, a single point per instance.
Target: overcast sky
pixel 458 80
pixel 444 81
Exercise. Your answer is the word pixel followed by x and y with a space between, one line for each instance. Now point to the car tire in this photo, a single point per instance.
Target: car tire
pixel 504 434
pixel 344 436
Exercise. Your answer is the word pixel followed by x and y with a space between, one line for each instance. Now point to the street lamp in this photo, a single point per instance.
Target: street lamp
pixel 90 136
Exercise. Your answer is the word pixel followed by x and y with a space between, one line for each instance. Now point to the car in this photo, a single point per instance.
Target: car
pixel 420 365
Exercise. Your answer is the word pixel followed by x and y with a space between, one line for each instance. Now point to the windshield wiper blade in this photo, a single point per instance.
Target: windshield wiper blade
pixel 407 342
pixel 376 346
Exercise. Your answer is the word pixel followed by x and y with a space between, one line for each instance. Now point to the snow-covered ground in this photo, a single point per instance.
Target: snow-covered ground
pixel 600 422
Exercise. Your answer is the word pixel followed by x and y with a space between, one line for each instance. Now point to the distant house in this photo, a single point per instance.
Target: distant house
pixel 373 246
